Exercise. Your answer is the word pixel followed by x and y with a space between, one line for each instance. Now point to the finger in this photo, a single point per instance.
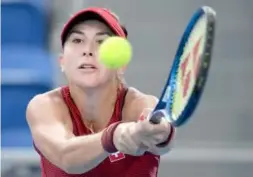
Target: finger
pixel 141 150
pixel 151 141
pixel 148 143
pixel 159 138
pixel 132 148
pixel 145 128
pixel 154 149
pixel 133 144
pixel 162 127
pixel 153 129
pixel 155 139
pixel 128 147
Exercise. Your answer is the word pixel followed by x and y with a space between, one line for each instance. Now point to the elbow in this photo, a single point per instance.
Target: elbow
pixel 74 160
pixel 68 168
pixel 68 165
pixel 73 170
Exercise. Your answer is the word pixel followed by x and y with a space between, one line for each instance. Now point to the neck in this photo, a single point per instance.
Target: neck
pixel 96 105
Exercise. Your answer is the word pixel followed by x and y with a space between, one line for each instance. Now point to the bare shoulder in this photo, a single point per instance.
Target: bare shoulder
pixel 136 97
pixel 50 98
pixel 135 102
pixel 50 102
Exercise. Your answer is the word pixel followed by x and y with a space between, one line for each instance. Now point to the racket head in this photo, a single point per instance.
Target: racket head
pixel 189 71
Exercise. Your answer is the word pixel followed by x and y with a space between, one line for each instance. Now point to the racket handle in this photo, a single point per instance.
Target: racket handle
pixel 156 117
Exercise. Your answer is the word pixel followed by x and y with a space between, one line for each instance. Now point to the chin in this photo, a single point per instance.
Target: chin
pixel 89 83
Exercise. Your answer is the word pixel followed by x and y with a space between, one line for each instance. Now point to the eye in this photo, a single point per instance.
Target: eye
pixel 77 40
pixel 100 41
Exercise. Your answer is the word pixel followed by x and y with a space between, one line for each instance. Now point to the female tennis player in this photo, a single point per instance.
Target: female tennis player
pixel 96 125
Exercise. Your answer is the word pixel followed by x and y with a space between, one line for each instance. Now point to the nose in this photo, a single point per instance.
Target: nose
pixel 88 49
pixel 90 54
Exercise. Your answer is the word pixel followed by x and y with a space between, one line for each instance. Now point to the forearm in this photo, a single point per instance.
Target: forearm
pixel 81 154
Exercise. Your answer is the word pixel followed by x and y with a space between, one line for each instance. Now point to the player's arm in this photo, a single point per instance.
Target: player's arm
pixel 139 107
pixel 55 140
pixel 147 165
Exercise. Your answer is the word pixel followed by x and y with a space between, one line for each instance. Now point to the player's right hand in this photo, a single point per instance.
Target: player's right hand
pixel 135 138
pixel 152 134
pixel 127 139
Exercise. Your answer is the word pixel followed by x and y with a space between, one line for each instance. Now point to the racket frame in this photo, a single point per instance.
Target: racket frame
pixel 166 98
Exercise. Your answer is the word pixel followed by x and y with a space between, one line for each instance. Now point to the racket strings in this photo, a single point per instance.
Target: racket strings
pixel 186 76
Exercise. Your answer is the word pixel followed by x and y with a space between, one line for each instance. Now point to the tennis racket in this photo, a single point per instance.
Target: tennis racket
pixel 189 71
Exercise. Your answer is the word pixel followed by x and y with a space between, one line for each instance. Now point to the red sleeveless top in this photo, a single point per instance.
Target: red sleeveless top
pixel 117 164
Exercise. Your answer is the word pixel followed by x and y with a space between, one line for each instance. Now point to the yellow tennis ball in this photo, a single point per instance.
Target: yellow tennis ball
pixel 115 52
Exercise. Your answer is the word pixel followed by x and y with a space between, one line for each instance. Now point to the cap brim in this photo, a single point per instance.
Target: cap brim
pixel 93 13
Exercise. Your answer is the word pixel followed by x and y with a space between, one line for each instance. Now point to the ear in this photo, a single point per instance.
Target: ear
pixel 61 62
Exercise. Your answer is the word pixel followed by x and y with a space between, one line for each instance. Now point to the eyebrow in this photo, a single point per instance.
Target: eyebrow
pixel 104 33
pixel 97 34
pixel 76 32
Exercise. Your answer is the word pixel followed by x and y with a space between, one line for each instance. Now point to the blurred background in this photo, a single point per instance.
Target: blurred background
pixel 217 142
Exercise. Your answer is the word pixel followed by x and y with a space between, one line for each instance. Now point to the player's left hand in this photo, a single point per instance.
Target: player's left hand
pixel 165 147
pixel 167 144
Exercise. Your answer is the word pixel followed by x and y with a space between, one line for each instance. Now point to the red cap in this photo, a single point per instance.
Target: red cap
pixel 101 14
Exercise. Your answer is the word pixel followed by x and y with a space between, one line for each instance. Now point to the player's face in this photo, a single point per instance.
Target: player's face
pixel 80 61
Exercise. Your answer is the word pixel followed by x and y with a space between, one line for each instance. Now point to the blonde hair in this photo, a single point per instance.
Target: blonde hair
pixel 120 79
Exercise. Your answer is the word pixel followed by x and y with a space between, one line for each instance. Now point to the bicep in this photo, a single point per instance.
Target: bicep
pixel 48 131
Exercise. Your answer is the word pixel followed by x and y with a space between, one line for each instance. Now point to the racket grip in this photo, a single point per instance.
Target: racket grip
pixel 156 117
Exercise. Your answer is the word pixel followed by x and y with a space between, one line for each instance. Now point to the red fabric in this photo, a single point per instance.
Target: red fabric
pixel 117 164
pixel 102 13
pixel 107 138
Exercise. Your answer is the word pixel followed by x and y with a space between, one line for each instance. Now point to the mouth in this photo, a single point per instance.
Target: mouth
pixel 87 67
